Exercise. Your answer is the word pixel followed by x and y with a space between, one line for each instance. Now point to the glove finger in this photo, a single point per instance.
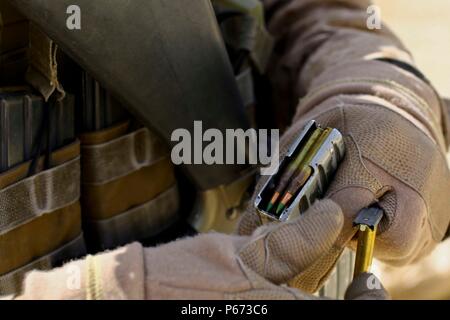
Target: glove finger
pixel 351 200
pixel 251 220
pixel 366 286
pixel 401 235
pixel 279 252
pixel 311 279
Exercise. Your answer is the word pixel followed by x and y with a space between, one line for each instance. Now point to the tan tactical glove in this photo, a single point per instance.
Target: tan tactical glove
pixel 394 125
pixel 209 266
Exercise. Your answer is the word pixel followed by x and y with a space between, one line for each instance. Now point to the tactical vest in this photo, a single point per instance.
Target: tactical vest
pixel 40 212
pixel 79 174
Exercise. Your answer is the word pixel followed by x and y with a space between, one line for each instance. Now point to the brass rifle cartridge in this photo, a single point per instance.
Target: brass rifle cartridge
pixel 323 158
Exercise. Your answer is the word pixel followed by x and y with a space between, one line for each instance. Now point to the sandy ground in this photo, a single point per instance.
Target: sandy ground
pixel 424 27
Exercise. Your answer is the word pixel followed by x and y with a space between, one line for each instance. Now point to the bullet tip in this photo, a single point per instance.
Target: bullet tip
pixel 280 208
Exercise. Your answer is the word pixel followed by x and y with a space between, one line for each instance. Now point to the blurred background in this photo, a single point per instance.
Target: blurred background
pixel 424 27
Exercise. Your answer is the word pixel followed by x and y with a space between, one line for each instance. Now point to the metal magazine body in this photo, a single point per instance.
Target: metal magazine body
pixel 100 110
pixel 21 116
pixel 324 163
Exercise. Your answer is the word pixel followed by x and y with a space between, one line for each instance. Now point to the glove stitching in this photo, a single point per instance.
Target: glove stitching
pixel 430 219
pixel 361 160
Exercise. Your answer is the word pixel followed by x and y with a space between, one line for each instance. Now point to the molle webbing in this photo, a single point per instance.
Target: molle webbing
pixel 167 79
pixel 139 222
pixel 11 283
pixel 43 193
pixel 129 190
pixel 40 219
pixel 104 201
pixel 108 161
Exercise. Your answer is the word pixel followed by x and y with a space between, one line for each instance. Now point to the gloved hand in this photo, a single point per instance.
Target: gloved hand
pixel 364 83
pixel 209 266
pixel 390 161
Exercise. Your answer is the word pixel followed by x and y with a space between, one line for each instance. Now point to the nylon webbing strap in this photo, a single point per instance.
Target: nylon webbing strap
pixel 109 161
pixel 43 193
pixel 244 32
pixel 11 283
pixel 247 31
pixel 246 88
pixel 137 223
pixel 42 73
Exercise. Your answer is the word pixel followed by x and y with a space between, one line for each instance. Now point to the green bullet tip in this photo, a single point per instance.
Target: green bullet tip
pixel 269 207
pixel 280 208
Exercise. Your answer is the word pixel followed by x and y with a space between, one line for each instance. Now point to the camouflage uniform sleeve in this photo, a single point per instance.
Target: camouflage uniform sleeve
pixel 331 64
pixel 314 36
